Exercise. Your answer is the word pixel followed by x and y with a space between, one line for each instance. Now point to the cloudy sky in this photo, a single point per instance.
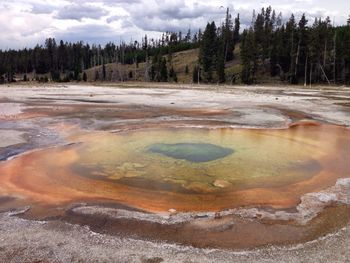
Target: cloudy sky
pixel 24 23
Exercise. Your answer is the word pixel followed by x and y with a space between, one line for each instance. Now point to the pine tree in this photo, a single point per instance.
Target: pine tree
pixel 290 48
pixel 104 71
pixel 55 75
pixel 51 47
pixel 163 70
pixel 175 77
pixel 172 74
pixel 249 56
pixel 84 77
pixel 227 38
pixel 153 71
pixel 220 59
pixel 321 50
pixel 268 29
pixel 208 52
pixel 97 75
pixel 343 55
pixel 158 71
pixel 274 54
pixel 259 35
pixel 186 70
pixel 302 49
pixel 236 30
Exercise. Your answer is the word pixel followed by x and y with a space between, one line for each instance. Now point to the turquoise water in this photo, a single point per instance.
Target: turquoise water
pixel 192 152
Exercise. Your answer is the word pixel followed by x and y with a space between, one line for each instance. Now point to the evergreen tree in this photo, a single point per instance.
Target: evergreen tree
pixel 274 54
pixel 268 30
pixel 186 70
pixel 55 75
pixel 159 71
pixel 259 34
pixel 302 49
pixel 62 57
pixel 84 77
pixel 249 56
pixel 321 50
pixel 227 37
pixel 104 71
pixel 11 76
pixel 220 60
pixel 51 48
pixel 236 30
pixel 343 55
pixel 175 77
pixel 163 70
pixel 291 45
pixel 208 52
pixel 172 74
pixel 97 75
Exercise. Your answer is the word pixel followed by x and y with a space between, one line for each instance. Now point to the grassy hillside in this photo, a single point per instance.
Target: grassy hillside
pixel 118 72
pixel 189 58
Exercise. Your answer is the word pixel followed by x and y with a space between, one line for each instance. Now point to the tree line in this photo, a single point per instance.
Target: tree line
pixel 65 61
pixel 295 52
pixel 270 49
pixel 216 48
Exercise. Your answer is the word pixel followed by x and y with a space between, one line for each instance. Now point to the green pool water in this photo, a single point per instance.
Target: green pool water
pixel 202 161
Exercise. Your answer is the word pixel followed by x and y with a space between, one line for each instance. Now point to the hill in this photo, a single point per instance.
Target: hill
pixel 179 60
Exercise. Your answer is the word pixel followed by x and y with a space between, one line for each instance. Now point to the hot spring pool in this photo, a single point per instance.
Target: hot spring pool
pixel 187 169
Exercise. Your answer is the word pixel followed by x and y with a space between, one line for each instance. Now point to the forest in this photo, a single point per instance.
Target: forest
pixel 271 49
pixel 296 51
pixel 65 61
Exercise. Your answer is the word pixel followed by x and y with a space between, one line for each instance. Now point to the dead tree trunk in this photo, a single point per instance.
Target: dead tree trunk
pixel 297 60
pixel 305 82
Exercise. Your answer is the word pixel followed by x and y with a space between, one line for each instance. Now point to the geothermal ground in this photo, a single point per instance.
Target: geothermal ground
pixel 162 173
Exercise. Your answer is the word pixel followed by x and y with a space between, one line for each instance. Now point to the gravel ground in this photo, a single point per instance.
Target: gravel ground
pixel 254 106
pixel 33 241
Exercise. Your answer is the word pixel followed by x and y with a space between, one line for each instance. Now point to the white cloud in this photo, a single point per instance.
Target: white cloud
pixel 79 11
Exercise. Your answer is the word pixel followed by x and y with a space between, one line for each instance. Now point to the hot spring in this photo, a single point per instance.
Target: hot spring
pixel 185 169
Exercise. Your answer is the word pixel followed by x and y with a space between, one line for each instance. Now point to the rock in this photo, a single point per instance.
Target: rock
pixel 221 183
pixel 172 211
pixel 217 215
